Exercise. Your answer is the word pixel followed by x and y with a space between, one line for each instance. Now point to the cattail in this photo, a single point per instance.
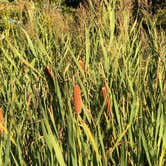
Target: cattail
pixel 48 70
pixel 82 65
pixel 77 99
pixel 106 98
pixel 104 91
pixel 1 120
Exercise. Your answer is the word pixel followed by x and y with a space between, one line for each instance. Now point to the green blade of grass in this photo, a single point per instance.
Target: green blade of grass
pixel 91 138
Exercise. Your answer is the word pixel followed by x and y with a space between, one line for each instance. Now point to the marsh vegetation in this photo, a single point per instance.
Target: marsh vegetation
pixel 81 86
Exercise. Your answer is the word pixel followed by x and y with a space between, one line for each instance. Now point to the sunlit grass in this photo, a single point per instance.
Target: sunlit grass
pixel 115 63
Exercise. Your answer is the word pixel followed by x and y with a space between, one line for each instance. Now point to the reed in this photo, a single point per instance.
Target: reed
pixel 1 120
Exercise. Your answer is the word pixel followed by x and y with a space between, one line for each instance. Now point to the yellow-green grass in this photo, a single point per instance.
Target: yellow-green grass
pixel 40 49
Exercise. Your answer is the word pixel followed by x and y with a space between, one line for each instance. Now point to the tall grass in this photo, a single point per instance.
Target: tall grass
pixel 40 53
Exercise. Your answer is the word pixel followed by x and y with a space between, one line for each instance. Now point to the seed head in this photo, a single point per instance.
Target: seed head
pixel 106 98
pixel 77 99
pixel 82 65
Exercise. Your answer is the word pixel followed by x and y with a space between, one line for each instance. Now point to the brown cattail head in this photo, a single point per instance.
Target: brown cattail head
pixel 1 120
pixel 104 91
pixel 82 65
pixel 48 70
pixel 106 98
pixel 77 99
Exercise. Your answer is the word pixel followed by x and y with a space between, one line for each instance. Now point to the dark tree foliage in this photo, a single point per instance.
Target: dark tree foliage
pixel 158 1
pixel 73 3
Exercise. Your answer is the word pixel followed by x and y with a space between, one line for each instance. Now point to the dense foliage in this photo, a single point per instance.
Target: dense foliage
pixel 82 86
